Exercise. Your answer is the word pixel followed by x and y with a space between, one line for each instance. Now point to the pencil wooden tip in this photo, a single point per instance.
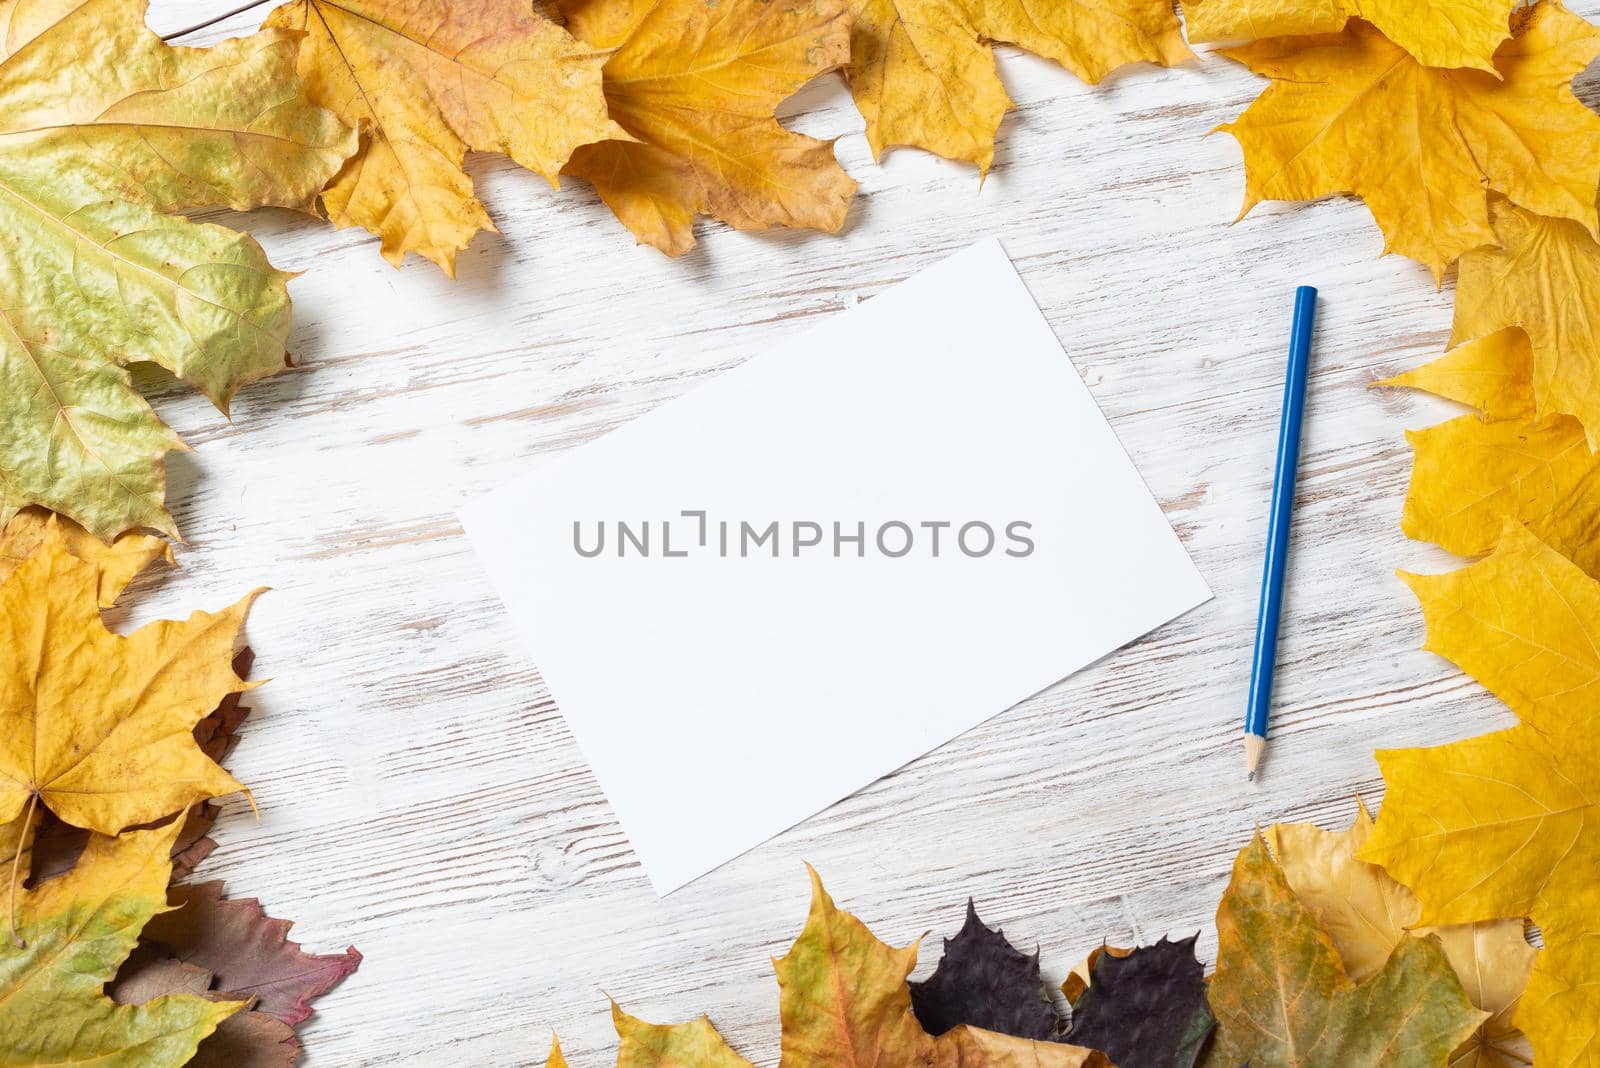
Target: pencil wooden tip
pixel 1254 745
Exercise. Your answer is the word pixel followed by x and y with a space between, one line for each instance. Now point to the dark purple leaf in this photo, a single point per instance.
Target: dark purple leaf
pixel 1147 1009
pixel 983 981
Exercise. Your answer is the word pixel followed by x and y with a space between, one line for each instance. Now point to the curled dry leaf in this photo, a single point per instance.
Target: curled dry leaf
pixel 76 932
pixel 923 71
pixel 1444 33
pixel 104 131
pixel 1146 1007
pixel 694 84
pixel 1282 997
pixel 1077 980
pixel 1352 112
pixel 1367 914
pixel 425 82
pixel 984 981
pixel 1543 275
pixel 96 726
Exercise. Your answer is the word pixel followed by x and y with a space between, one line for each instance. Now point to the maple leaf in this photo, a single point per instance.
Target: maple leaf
pixel 119 563
pixel 56 845
pixel 694 84
pixel 1525 622
pixel 1282 997
pixel 1145 1008
pixel 425 83
pixel 1469 477
pixel 104 130
pixel 1493 374
pixel 648 1045
pixel 556 1059
pixel 247 1039
pixel 1354 113
pixel 76 931
pixel 843 999
pixel 1560 1010
pixel 1457 33
pixel 1545 278
pixel 981 979
pixel 94 725
pixel 1505 824
pixel 923 71
pixel 1367 914
pixel 1077 980
pixel 247 952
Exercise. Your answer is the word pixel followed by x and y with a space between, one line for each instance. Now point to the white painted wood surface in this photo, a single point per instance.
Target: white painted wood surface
pixel 420 796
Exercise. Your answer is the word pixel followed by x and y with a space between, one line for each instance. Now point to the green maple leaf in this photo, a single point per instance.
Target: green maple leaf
pixel 1282 998
pixel 76 931
pixel 105 130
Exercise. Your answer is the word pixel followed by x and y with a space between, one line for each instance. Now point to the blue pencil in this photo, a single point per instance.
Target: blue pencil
pixel 1294 403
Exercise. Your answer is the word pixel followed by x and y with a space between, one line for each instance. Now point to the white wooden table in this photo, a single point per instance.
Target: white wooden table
pixel 420 795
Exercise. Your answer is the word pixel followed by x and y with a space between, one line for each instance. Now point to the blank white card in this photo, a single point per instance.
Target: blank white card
pixel 765 594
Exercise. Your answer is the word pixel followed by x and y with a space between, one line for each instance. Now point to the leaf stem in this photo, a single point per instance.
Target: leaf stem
pixel 16 864
pixel 213 20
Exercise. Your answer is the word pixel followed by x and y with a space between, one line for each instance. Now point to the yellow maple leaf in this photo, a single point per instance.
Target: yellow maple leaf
pixel 1283 999
pixel 75 931
pixel 1367 914
pixel 1525 622
pixel 94 725
pixel 843 999
pixel 106 132
pixel 1442 33
pixel 1469 477
pixel 427 82
pixel 695 84
pixel 1493 374
pixel 1353 112
pixel 1544 276
pixel 1508 824
pixel 648 1045
pixel 1561 1006
pixel 118 562
pixel 923 71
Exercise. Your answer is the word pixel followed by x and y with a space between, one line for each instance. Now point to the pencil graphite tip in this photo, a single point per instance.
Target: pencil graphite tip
pixel 1254 745
pixel 1249 776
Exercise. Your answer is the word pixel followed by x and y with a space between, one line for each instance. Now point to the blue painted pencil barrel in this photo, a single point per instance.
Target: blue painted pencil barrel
pixel 1278 522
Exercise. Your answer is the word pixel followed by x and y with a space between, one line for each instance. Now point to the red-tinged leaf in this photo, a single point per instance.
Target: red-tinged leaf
pixel 247 1039
pixel 248 951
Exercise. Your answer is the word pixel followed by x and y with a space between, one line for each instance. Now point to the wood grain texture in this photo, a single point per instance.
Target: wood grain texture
pixel 420 796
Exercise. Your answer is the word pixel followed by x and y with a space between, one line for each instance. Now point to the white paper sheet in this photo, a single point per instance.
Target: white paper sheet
pixel 724 695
